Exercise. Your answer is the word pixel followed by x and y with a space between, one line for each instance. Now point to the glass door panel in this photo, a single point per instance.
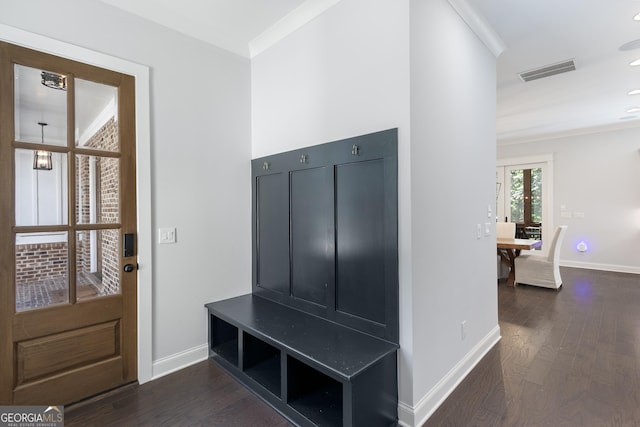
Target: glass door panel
pixel 98 190
pixel 41 195
pixel 40 96
pixel 42 271
pixel 517 196
pixel 96 116
pixel 525 200
pixel 97 263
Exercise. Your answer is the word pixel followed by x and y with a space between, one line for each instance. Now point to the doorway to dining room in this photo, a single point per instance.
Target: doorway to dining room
pixel 524 195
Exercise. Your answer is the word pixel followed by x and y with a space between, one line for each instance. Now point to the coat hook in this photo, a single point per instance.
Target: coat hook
pixel 266 166
pixel 303 158
pixel 355 150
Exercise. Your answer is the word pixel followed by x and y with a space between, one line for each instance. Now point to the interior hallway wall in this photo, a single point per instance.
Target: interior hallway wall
pixel 200 151
pixel 595 175
pixel 341 76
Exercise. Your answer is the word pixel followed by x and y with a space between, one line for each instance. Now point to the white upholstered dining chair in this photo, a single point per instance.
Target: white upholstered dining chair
pixel 505 230
pixel 542 271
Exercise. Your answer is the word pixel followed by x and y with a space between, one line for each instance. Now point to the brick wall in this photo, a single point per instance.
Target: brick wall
pixel 110 261
pixel 37 262
pixel 108 197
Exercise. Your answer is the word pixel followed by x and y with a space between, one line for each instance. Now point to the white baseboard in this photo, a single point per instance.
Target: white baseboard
pixel 407 415
pixel 175 362
pixel 603 267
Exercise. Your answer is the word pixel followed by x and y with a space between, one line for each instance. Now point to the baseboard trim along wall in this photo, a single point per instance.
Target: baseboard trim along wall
pixel 408 415
pixel 603 267
pixel 175 362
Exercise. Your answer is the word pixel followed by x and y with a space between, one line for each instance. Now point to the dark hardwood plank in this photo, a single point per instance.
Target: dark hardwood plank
pixel 200 395
pixel 567 358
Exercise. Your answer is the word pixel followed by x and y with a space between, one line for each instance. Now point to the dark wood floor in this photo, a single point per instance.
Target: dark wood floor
pixel 568 358
pixel 200 395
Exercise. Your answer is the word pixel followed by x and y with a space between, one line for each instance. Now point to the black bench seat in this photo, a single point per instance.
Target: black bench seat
pixel 312 370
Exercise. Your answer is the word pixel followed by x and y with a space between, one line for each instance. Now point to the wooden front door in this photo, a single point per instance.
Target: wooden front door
pixel 68 280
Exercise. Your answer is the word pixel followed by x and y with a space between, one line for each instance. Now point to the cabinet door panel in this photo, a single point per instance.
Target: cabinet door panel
pixel 311 234
pixel 360 240
pixel 272 226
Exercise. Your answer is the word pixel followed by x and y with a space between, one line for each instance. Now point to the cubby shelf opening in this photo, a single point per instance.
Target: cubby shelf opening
pixel 261 362
pixel 313 394
pixel 224 340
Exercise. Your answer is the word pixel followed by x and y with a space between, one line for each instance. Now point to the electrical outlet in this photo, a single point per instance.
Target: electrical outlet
pixel 478 231
pixel 487 229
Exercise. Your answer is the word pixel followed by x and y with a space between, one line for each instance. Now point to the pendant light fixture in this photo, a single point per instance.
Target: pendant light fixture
pixel 41 158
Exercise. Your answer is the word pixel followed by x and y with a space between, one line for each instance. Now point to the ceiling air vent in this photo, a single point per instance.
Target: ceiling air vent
pixel 548 70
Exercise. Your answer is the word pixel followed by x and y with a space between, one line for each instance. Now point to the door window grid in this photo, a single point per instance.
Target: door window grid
pixel 43 261
pixel 545 193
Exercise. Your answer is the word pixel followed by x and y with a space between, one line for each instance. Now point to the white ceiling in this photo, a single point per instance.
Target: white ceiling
pixel 542 32
pixel 535 33
pixel 229 24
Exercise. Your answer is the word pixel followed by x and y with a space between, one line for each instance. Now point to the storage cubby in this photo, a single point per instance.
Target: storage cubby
pixel 261 362
pixel 313 394
pixel 315 372
pixel 317 338
pixel 224 340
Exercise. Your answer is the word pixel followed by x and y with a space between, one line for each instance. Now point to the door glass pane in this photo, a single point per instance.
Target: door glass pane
pixel 42 272
pixel 517 195
pixel 41 195
pixel 536 195
pixel 98 196
pixel 96 116
pixel 97 263
pixel 40 97
pixel 526 202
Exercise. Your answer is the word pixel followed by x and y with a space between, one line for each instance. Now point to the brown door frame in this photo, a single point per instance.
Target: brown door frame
pixel 25 325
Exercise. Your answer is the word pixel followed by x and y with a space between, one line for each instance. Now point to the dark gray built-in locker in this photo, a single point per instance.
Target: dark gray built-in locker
pixel 326 231
pixel 317 338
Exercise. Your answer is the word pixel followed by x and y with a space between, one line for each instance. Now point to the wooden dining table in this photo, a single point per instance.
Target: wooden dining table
pixel 509 249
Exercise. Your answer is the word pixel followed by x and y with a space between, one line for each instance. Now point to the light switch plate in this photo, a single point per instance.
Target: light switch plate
pixel 487 229
pixel 166 235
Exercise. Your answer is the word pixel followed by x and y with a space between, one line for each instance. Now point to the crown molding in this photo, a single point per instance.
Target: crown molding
pixel 480 26
pixel 504 140
pixel 298 17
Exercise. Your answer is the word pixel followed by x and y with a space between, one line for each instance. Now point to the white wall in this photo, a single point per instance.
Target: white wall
pixel 344 74
pixel 200 130
pixel 596 174
pixel 453 104
pixel 369 65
